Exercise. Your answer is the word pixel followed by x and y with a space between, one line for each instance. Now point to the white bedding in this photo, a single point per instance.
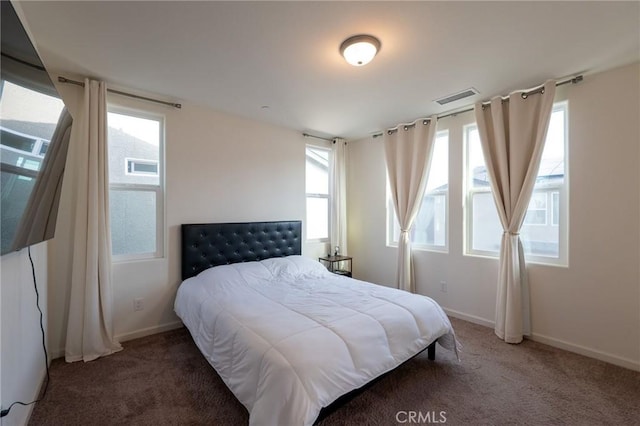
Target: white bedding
pixel 289 338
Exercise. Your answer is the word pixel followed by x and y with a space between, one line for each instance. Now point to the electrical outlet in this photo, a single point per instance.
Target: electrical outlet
pixel 138 304
pixel 443 286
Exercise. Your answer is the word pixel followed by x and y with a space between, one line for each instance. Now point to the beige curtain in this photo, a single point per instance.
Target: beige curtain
pixel 512 134
pixel 339 202
pixel 408 155
pixel 40 215
pixel 89 328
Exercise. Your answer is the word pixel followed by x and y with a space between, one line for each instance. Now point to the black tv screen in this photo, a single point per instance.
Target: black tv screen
pixel 34 136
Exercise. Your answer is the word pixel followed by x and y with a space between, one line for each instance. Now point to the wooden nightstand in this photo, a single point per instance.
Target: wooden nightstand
pixel 341 265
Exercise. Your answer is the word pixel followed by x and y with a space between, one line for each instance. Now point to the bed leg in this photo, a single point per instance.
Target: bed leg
pixel 431 351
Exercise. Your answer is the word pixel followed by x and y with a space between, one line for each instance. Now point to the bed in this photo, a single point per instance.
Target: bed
pixel 286 336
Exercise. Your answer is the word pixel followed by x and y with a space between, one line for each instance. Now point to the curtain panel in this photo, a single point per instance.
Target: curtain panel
pixel 339 204
pixel 408 156
pixel 512 135
pixel 90 324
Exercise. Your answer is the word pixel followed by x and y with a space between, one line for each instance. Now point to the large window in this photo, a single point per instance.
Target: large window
pixel 544 231
pixel 318 162
pixel 429 230
pixel 136 182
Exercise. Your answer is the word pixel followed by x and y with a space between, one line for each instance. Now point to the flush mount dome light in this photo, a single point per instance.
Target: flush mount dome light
pixel 359 50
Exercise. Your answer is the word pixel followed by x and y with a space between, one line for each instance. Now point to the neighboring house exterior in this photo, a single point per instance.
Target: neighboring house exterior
pixel 541 222
pixel 132 161
pixel 540 227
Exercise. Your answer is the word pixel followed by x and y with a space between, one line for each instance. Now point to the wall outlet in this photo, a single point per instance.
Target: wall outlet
pixel 443 286
pixel 138 304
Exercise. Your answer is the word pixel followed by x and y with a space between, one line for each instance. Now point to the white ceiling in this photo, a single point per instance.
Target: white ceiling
pixel 240 56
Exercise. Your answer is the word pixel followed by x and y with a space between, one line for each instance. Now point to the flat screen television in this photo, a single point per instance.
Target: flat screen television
pixel 34 137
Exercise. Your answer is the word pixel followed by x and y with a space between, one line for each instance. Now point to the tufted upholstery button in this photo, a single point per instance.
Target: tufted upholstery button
pixel 207 245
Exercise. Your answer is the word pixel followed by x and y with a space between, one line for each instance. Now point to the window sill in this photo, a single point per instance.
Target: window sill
pixel 536 261
pixel 135 258
pixel 442 250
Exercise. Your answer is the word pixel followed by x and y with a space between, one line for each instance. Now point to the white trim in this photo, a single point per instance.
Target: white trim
pixel 159 188
pixel 545 209
pixel 588 352
pixel 392 219
pixel 556 343
pixel 30 407
pixel 135 161
pixel 469 191
pixel 37 145
pixel 148 331
pixel 328 196
pixel 470 318
pixel 143 332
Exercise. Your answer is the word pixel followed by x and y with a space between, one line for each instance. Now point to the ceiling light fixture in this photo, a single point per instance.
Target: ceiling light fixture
pixel 359 50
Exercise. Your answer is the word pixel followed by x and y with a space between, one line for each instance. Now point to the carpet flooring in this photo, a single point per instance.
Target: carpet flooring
pixel 164 380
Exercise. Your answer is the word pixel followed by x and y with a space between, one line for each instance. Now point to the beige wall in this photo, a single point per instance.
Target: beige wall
pixel 22 363
pixel 592 306
pixel 219 168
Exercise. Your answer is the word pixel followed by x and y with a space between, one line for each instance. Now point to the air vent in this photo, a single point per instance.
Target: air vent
pixel 457 96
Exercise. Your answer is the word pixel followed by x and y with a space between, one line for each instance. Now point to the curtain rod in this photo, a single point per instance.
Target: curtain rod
pixel 572 80
pixel 307 135
pixel 118 92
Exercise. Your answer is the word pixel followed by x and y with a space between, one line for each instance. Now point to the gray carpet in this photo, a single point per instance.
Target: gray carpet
pixel 163 380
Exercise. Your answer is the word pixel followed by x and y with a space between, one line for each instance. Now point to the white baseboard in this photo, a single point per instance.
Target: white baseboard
pixel 59 353
pixel 471 318
pixel 556 343
pixel 591 353
pixel 148 331
pixel 30 407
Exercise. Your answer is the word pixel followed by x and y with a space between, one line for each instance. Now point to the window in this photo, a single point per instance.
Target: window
pixel 544 230
pixel 136 185
pixel 141 167
pixel 429 230
pixel 537 210
pixel 318 161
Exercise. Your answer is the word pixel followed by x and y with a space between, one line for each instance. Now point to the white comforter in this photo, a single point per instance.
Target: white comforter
pixel 288 337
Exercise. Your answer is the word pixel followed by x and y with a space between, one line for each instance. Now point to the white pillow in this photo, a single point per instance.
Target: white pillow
pixel 294 267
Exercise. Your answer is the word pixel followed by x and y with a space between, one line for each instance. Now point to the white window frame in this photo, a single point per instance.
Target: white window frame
pixel 563 234
pixel 328 196
pixel 128 160
pixel 158 189
pixel 37 143
pixel 391 211
pixel 546 190
pixel 553 205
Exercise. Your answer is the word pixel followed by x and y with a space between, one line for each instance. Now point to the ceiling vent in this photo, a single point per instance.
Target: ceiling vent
pixel 457 96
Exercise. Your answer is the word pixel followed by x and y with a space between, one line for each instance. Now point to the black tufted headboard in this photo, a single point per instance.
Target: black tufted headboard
pixel 212 244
